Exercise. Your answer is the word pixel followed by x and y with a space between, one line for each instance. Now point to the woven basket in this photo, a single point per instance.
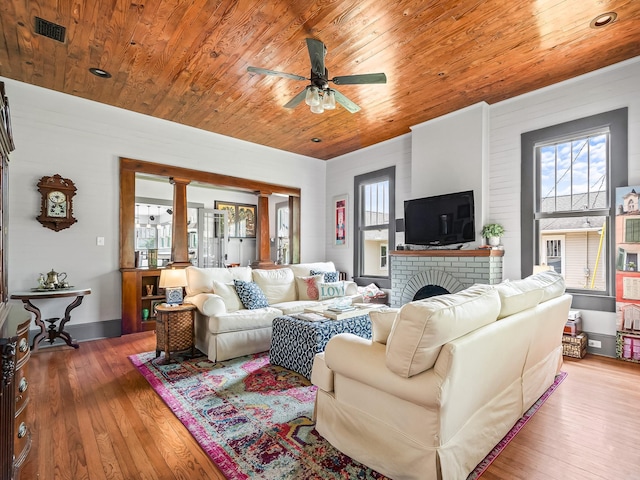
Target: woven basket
pixel 174 330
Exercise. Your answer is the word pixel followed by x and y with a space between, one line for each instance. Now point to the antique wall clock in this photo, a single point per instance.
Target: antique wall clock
pixel 56 209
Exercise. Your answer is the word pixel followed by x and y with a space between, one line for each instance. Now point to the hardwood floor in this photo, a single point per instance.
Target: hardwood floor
pixel 94 417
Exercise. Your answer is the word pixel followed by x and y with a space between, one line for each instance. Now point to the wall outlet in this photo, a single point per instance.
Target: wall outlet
pixel 100 241
pixel 595 343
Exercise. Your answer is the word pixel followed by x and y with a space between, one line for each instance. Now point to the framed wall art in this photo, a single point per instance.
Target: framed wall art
pixel 241 218
pixel 340 220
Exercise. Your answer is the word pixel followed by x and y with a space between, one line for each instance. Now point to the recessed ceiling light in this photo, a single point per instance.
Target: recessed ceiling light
pixel 603 19
pixel 98 72
pixel 316 140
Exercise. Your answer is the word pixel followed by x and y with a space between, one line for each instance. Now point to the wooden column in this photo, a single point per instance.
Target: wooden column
pixel 179 235
pixel 263 245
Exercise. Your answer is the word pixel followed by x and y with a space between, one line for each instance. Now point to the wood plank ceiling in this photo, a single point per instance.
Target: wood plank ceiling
pixel 186 60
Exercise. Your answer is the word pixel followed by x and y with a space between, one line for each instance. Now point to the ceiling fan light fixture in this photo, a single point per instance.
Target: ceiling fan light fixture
pixel 319 108
pixel 329 100
pixel 312 98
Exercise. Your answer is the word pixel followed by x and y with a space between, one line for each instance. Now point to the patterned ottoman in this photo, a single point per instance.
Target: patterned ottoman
pixel 295 342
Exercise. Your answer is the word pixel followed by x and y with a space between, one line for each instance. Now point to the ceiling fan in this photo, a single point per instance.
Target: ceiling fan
pixel 317 94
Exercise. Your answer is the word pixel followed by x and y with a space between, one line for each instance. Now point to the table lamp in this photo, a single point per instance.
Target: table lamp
pixel 172 280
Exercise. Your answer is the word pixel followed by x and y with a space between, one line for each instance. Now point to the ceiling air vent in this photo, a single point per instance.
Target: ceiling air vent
pixel 50 29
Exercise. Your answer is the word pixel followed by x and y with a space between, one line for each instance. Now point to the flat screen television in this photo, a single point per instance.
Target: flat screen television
pixel 440 220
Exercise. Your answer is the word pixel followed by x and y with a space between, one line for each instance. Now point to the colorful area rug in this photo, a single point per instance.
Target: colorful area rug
pixel 253 419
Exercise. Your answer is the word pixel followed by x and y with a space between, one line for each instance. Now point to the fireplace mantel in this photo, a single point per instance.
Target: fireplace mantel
pixel 480 252
pixel 453 270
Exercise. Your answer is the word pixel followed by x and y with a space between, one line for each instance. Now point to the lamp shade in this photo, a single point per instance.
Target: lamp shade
pixel 173 277
pixel 172 280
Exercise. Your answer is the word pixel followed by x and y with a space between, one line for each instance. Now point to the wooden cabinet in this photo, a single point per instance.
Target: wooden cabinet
pixel 15 434
pixel 136 298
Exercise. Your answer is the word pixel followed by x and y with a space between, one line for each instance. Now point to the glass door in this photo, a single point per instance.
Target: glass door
pixel 212 238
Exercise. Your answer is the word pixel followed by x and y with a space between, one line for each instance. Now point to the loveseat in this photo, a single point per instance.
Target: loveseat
pixel 225 328
pixel 443 379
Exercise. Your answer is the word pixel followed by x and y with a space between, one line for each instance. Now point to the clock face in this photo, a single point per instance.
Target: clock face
pixel 56 204
pixel 57 197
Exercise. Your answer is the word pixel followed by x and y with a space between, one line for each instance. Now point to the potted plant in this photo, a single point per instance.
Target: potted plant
pixel 492 232
pixel 631 266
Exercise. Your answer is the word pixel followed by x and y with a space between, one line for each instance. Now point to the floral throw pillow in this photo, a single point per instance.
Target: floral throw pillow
pixel 251 295
pixel 329 277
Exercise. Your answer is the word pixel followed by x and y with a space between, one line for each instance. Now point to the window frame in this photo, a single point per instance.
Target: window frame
pixel 617 122
pixel 388 174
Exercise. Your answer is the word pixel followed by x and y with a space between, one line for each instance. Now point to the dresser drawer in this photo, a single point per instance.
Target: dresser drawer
pixel 22 351
pixel 22 392
pixel 22 439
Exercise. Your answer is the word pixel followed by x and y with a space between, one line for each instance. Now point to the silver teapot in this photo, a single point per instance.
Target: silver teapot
pixel 55 280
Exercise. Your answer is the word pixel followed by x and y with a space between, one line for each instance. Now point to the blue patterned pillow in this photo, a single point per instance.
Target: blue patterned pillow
pixel 329 277
pixel 251 295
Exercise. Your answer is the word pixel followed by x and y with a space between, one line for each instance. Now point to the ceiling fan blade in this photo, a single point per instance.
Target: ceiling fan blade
pixel 265 71
pixel 360 79
pixel 295 101
pixel 345 102
pixel 317 52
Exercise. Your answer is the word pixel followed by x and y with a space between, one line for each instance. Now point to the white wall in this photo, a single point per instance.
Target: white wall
pixel 340 174
pixel 450 154
pixel 607 89
pixel 82 140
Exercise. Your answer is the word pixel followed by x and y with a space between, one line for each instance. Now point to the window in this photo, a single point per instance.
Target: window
pixel 632 230
pixel 374 226
pixel 384 253
pixel 553 252
pixel 282 232
pixel 569 175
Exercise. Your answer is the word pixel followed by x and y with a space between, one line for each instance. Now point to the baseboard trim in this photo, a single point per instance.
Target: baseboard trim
pixel 608 348
pixel 83 332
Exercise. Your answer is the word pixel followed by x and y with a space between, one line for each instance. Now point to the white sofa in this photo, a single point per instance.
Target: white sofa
pixel 224 328
pixel 443 379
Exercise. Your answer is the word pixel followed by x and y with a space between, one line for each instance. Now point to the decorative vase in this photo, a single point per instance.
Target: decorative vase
pixel 494 241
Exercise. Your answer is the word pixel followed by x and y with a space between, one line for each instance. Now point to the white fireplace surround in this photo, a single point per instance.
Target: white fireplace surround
pixel 453 270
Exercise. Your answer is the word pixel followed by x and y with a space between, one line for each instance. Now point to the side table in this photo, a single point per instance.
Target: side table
pixel 174 329
pixel 53 332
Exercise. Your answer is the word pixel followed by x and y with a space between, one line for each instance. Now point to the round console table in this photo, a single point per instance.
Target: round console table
pixel 53 332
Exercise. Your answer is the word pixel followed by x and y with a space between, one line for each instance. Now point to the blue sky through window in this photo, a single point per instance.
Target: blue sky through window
pixel 574 169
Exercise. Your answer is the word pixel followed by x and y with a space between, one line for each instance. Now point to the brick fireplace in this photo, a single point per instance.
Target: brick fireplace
pixel 417 272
